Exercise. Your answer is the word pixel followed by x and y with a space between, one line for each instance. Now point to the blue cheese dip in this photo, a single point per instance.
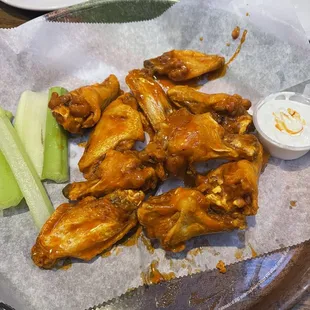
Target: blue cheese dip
pixel 282 121
pixel 286 122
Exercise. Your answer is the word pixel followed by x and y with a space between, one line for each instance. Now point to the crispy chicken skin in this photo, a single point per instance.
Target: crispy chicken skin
pixel 200 138
pixel 235 124
pixel 230 111
pixel 117 171
pixel 185 139
pixel 119 127
pixel 198 102
pixel 150 96
pixel 81 108
pixel 181 214
pixel 85 229
pixel 233 187
pixel 182 65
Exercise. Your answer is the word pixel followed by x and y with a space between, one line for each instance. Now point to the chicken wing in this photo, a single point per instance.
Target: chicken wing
pixel 181 214
pixel 85 229
pixel 181 65
pixel 185 139
pixel 81 108
pixel 119 127
pixel 198 102
pixel 233 187
pixel 150 96
pixel 117 171
pixel 230 111
pixel 199 138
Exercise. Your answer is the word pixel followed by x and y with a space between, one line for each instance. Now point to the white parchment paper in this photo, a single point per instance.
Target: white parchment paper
pixel 39 55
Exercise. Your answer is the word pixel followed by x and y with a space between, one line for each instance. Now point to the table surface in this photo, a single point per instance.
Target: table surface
pixel 12 17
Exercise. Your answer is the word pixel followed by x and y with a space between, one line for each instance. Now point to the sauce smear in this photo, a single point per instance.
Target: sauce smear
pixel 289 121
pixel 238 254
pixel 222 71
pixel 154 276
pixel 254 254
pixel 147 244
pixel 236 53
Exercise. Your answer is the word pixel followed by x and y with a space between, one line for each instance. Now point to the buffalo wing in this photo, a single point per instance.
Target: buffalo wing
pixel 230 111
pixel 233 187
pixel 119 127
pixel 150 96
pixel 181 214
pixel 117 171
pixel 85 229
pixel 186 139
pixel 182 65
pixel 81 108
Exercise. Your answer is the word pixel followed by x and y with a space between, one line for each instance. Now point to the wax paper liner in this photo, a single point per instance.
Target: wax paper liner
pixel 38 55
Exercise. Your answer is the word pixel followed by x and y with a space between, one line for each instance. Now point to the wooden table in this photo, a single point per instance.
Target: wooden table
pixel 13 17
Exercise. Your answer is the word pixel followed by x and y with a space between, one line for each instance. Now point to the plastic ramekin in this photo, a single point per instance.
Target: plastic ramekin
pixel 275 148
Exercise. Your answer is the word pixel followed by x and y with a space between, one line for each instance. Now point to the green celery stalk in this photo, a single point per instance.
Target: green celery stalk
pixel 9 115
pixel 29 123
pixel 24 172
pixel 55 164
pixel 10 194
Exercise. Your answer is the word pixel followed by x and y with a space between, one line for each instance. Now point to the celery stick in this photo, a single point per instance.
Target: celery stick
pixel 24 172
pixel 55 165
pixel 9 115
pixel 29 123
pixel 10 194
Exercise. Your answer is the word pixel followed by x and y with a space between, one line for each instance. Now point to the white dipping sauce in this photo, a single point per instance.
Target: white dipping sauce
pixel 286 122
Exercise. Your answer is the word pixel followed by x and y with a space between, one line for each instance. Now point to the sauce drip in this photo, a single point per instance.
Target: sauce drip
pixel 254 254
pixel 147 244
pixel 216 74
pixel 82 144
pixel 196 251
pixel 197 82
pixel 222 71
pixel 106 253
pixel 154 276
pixel 235 33
pixel 221 267
pixel 117 251
pixel 236 53
pixel 238 254
pixel 133 239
